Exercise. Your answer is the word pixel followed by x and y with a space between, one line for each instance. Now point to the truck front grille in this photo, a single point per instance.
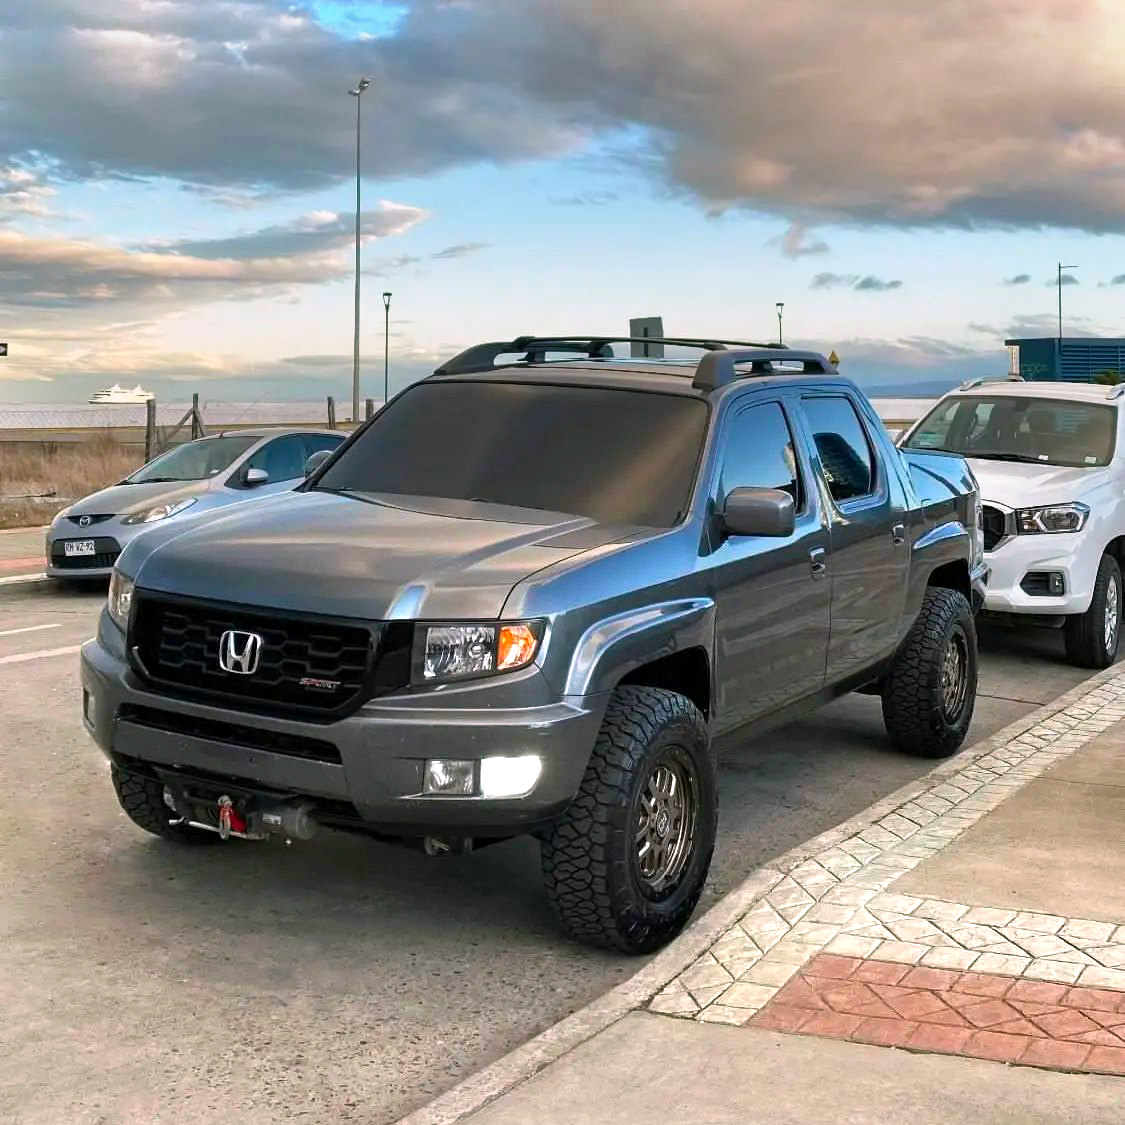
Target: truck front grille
pixel 318 666
pixel 995 526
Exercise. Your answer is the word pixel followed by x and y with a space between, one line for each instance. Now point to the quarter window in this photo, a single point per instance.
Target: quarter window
pixel 841 442
pixel 759 452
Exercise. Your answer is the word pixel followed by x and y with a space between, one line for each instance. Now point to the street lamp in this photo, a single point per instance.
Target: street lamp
pixel 1061 268
pixel 780 307
pixel 357 93
pixel 386 342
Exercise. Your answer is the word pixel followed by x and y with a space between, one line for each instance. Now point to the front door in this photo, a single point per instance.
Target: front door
pixel 772 595
pixel 869 553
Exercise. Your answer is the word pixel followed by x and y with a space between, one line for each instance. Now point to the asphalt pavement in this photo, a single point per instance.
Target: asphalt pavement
pixel 340 979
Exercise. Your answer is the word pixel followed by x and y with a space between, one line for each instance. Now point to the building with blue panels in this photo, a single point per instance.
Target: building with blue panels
pixel 1073 359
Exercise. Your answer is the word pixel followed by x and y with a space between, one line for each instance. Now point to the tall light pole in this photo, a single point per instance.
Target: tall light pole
pixel 780 308
pixel 357 93
pixel 1061 268
pixel 386 343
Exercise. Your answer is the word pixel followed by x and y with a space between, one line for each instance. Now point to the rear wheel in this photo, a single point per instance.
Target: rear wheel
pixel 142 798
pixel 625 865
pixel 930 692
pixel 1092 637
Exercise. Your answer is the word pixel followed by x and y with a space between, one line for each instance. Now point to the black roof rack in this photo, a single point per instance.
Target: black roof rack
pixel 715 369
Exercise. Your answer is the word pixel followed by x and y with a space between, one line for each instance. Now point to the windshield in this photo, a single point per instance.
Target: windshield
pixel 1014 428
pixel 196 460
pixel 617 457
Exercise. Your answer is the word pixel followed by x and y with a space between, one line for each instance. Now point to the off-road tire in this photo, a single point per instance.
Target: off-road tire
pixel 915 710
pixel 142 798
pixel 590 868
pixel 1084 633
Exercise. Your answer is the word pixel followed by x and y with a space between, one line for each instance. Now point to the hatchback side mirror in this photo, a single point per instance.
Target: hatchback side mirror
pixel 315 461
pixel 255 477
pixel 758 511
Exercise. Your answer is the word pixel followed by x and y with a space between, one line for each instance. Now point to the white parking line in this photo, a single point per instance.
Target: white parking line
pixel 29 629
pixel 12 579
pixel 20 657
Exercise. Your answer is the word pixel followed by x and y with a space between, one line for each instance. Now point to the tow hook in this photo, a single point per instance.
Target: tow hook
pixel 229 820
pixel 291 820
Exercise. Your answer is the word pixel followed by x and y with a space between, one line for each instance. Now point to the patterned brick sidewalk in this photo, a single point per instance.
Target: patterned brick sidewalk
pixel 984 1016
pixel 831 950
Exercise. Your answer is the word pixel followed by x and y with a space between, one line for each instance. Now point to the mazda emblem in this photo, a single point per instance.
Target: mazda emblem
pixel 84 521
pixel 240 652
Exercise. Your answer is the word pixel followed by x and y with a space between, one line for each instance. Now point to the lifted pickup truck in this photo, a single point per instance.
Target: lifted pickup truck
pixel 524 598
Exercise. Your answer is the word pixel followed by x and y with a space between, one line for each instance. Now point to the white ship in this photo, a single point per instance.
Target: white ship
pixel 119 396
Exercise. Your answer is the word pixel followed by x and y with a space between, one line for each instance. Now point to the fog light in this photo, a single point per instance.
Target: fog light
pixel 450 777
pixel 88 706
pixel 509 777
pixel 1056 584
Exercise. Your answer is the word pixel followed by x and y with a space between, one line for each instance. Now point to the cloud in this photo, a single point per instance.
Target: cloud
pixel 1066 279
pixel 54 272
pixel 862 284
pixel 1118 280
pixel 461 250
pixel 876 284
pixel 23 191
pixel 795 242
pixel 251 96
pixel 1019 279
pixel 586 199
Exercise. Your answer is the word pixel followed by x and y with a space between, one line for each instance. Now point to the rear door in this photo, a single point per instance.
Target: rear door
pixel 869 555
pixel 772 594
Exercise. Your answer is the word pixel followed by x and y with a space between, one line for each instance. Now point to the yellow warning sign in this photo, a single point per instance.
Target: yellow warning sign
pixel 834 359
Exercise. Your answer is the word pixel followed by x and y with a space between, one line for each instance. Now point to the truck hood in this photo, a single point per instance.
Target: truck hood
pixel 1018 484
pixel 371 557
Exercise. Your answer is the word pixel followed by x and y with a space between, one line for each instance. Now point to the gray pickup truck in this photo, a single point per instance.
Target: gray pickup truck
pixel 524 598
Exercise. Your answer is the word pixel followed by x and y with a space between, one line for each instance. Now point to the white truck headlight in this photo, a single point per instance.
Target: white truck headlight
pixel 120 599
pixel 461 652
pixel 1053 519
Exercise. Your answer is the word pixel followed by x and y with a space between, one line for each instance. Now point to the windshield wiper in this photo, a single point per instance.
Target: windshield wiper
pixel 162 480
pixel 1025 458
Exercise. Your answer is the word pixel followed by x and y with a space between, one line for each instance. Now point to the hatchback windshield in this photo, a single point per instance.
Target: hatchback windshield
pixel 1013 428
pixel 617 457
pixel 196 460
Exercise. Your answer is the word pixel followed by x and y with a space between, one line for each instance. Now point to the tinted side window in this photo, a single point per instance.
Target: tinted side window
pixel 314 443
pixel 283 458
pixel 759 452
pixel 845 454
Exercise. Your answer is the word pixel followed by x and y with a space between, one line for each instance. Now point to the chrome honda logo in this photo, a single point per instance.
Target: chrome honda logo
pixel 83 521
pixel 240 652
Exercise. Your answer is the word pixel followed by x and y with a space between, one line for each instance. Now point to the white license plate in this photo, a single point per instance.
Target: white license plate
pixel 75 547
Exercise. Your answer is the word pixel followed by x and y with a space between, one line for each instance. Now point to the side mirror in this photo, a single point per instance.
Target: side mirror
pixel 255 477
pixel 315 461
pixel 758 511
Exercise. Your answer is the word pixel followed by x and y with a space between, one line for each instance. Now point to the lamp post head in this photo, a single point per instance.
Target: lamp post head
pixel 780 305
pixel 360 86
pixel 387 300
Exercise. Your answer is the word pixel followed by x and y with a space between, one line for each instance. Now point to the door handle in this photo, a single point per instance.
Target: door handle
pixel 898 534
pixel 818 558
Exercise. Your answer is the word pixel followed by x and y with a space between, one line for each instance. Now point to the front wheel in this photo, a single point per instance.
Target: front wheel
pixel 625 865
pixel 930 692
pixel 1092 637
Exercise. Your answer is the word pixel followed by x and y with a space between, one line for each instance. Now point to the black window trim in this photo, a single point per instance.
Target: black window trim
pixel 879 494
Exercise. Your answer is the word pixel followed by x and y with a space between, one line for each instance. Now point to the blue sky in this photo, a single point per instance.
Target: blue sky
pixel 541 166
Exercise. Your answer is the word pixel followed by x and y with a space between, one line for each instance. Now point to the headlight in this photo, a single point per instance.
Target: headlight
pixel 160 512
pixel 460 652
pixel 1053 519
pixel 61 514
pixel 120 599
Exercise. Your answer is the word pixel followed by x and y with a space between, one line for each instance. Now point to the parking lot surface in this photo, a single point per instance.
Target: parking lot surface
pixel 339 979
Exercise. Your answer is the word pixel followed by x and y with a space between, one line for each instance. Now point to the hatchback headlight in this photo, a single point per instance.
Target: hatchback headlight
pixel 461 652
pixel 1053 519
pixel 120 599
pixel 160 512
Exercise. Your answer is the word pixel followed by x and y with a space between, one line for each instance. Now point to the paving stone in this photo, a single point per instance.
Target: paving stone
pixel 1102 999
pixel 672 1002
pixel 832 967
pixel 741 995
pixel 1066 1025
pixel 769 972
pixel 705 973
pixel 1055 1053
pixel 879 837
pixel 813 933
pixel 898 904
pixel 851 945
pixel 983 984
pixel 795 912
pixel 939 980
pixel 973 936
pixel 1112 956
pixel 793 952
pixel 835 1025
pixel 1094 977
pixel 880 972
pixel 918 930
pixel 884 1032
pixel 987 916
pixel 906 952
pixel 938 910
pixel 898 826
pixel 996 1046
pixel 933 1037
pixel 1037 992
pixel 720 1013
pixel 704 996
pixel 949 958
pixel 1082 929
pixel 782 1017
pixel 848 896
pixel 1041 923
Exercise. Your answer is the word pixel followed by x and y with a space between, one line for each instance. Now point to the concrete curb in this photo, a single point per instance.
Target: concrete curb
pixel 522 1063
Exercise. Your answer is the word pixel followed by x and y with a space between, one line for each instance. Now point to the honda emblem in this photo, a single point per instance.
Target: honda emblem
pixel 240 652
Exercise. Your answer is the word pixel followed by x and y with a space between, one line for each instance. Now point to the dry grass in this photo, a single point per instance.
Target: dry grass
pixel 53 475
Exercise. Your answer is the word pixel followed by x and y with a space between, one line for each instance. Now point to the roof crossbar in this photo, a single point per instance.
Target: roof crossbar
pixel 718 368
pixel 482 357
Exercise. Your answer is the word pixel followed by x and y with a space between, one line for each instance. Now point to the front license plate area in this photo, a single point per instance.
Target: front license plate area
pixel 75 548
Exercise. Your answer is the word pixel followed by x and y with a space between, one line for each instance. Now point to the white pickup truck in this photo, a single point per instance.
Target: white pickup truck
pixel 1050 461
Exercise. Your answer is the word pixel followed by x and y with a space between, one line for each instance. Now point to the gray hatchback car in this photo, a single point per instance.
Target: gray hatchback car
pixel 85 539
